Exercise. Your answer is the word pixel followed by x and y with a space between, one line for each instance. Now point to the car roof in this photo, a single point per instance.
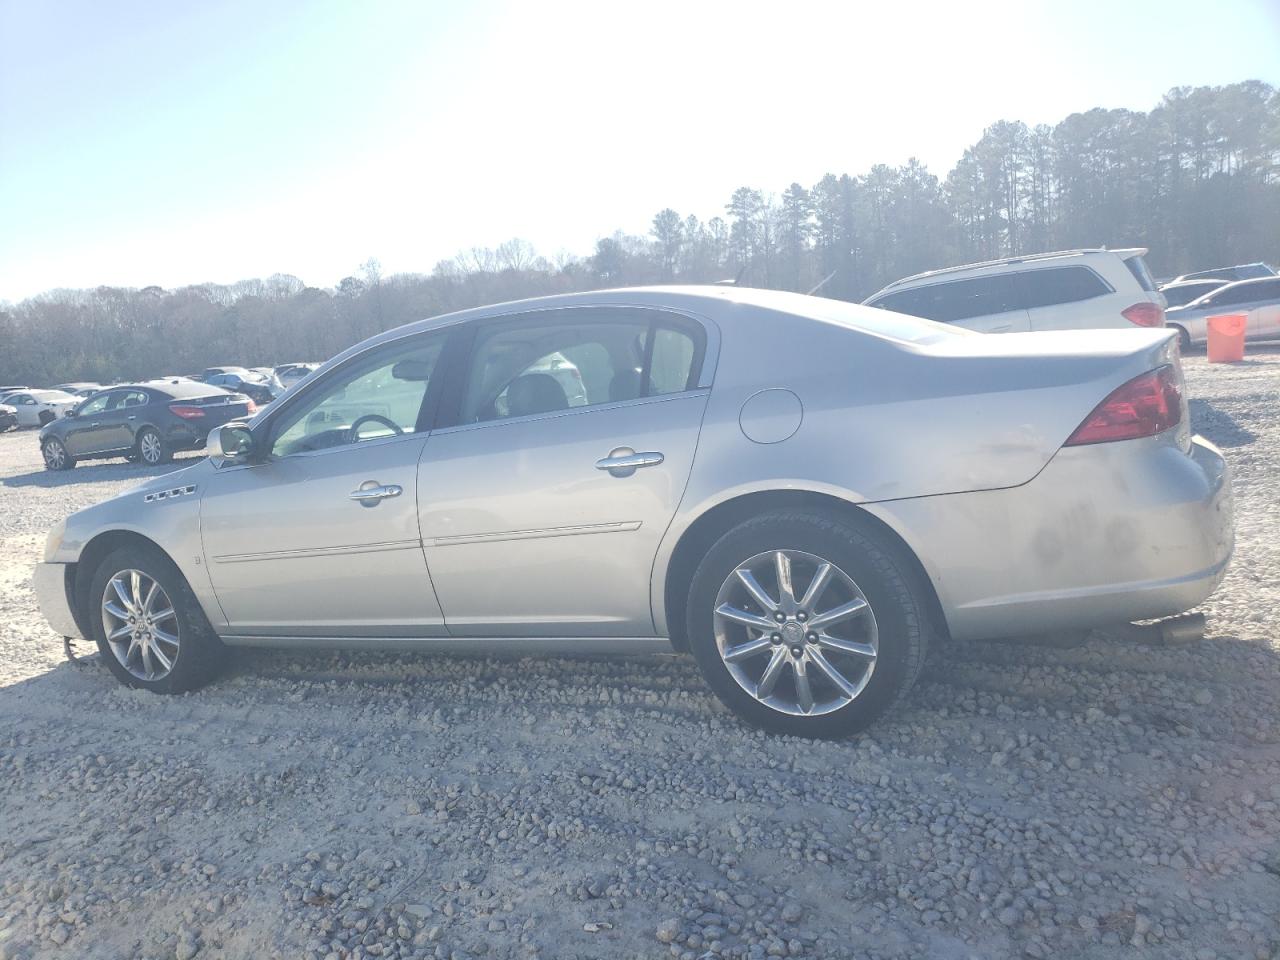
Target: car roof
pixel 173 388
pixel 1123 254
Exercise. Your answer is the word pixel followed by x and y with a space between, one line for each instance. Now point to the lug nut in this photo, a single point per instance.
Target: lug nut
pixel 776 638
pixel 811 637
pixel 779 616
pixel 802 616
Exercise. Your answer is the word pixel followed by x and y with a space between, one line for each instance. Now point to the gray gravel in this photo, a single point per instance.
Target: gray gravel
pixel 1111 799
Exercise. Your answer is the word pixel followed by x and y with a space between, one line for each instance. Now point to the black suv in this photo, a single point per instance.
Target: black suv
pixel 141 421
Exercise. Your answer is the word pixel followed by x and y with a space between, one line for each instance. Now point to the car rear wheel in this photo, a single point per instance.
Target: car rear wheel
pixel 807 624
pixel 1184 339
pixel 56 456
pixel 46 417
pixel 152 449
pixel 148 625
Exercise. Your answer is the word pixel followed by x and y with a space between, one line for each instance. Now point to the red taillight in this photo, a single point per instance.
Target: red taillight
pixel 1143 407
pixel 249 406
pixel 1145 314
pixel 186 411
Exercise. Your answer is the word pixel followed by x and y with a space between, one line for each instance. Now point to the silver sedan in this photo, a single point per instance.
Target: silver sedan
pixel 802 493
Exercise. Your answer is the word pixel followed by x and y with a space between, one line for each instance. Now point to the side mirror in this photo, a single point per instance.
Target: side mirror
pixel 229 443
pixel 73 412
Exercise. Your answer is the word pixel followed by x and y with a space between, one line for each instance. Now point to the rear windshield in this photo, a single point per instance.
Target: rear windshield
pixel 1138 267
pixel 880 322
pixel 1179 295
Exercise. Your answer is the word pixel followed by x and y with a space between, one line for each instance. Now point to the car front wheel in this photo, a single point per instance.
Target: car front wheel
pixel 807 624
pixel 56 456
pixel 148 625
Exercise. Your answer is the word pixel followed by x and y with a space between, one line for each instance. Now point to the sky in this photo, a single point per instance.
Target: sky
pixel 173 143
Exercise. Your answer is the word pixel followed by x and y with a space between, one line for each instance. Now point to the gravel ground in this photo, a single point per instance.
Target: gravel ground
pixel 1111 799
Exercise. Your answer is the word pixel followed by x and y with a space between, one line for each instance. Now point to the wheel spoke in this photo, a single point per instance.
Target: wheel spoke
pixel 151 597
pixel 118 586
pixel 162 615
pixel 159 654
pixel 118 633
pixel 839 645
pixel 135 588
pixel 804 695
pixel 837 678
pixel 752 620
pixel 146 660
pixel 748 649
pixel 134 647
pixel 821 577
pixel 786 591
pixel 757 592
pixel 769 679
pixel 163 637
pixel 120 613
pixel 838 614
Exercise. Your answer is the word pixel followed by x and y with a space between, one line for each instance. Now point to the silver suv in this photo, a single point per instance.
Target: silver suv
pixel 1068 290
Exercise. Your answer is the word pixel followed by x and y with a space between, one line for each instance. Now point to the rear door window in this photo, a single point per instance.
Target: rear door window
pixel 1244 293
pixel 1052 286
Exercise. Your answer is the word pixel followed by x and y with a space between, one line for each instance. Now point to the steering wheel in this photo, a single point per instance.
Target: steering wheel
pixel 353 432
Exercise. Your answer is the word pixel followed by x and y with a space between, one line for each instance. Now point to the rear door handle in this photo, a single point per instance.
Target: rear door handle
pixel 371 493
pixel 623 461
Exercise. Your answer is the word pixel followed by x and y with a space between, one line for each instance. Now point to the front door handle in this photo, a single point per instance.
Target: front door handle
pixel 371 493
pixel 623 461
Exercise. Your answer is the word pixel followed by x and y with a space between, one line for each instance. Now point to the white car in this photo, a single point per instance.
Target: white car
pixel 1068 290
pixel 35 408
pixel 1258 300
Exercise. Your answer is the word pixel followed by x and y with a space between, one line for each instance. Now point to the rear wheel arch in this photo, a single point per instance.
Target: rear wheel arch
pixel 717 521
pixel 1184 336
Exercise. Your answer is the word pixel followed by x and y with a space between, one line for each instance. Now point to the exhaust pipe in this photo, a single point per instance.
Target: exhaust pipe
pixel 1178 631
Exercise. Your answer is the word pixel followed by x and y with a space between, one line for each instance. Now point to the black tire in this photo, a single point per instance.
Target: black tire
pixel 1184 340
pixel 46 418
pixel 151 448
pixel 55 455
pixel 877 568
pixel 200 655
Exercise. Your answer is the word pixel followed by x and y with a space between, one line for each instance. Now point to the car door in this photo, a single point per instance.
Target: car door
pixel 1264 310
pixel 318 535
pixel 78 432
pixel 114 426
pixel 557 469
pixel 25 407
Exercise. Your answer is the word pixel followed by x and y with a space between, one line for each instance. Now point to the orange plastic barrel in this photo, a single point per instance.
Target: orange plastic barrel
pixel 1226 338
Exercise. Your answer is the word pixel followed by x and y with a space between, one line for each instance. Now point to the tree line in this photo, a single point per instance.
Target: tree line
pixel 1196 179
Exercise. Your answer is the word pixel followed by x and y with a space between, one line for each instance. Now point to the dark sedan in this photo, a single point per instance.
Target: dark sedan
pixel 252 385
pixel 142 421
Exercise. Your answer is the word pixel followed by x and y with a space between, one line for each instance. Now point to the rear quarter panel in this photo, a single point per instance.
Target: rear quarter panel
pixel 887 420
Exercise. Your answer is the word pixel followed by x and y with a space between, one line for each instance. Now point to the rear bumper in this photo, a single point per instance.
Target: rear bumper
pixel 50 584
pixel 1104 534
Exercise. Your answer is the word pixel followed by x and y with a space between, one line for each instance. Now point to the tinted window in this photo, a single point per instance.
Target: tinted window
pixel 1138 267
pixel 1244 293
pixel 956 299
pixel 1179 295
pixel 378 396
pixel 1057 285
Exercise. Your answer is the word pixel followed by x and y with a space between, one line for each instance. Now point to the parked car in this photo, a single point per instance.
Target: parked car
pixel 79 388
pixel 1069 290
pixel 1258 300
pixel 1180 294
pixel 38 407
pixel 147 421
pixel 804 493
pixel 247 383
pixel 8 417
pixel 1242 271
pixel 214 371
pixel 291 373
pixel 5 391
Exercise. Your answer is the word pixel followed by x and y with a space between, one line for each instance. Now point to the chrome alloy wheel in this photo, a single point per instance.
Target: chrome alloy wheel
pixel 140 624
pixel 55 455
pixel 800 653
pixel 149 447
